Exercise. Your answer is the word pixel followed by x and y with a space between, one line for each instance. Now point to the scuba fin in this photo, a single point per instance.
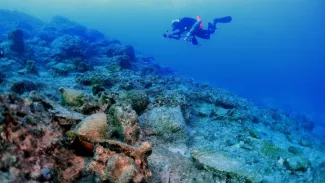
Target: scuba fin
pixel 226 19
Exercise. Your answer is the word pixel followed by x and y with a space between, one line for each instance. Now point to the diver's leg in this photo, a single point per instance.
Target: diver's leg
pixel 226 19
pixel 194 41
pixel 211 28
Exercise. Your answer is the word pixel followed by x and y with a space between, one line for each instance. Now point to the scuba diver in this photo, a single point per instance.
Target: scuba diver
pixel 193 28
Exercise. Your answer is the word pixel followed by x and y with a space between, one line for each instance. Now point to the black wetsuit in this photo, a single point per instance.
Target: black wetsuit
pixel 186 23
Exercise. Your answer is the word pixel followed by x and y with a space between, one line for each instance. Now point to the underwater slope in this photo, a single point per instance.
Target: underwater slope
pixel 76 106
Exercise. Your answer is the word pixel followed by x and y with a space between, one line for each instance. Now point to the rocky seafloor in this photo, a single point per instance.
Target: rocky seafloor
pixel 76 106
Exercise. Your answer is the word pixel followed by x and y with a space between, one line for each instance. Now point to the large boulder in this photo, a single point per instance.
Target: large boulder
pixel 225 166
pixel 165 122
pixel 69 46
pixel 16 41
pixel 24 85
pixel 138 99
pixel 118 49
pixel 96 77
pixel 2 77
pixel 116 63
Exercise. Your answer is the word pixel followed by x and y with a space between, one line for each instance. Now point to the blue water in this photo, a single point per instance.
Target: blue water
pixel 273 51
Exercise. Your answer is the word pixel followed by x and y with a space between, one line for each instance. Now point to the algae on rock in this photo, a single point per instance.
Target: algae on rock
pixel 72 97
pixel 124 118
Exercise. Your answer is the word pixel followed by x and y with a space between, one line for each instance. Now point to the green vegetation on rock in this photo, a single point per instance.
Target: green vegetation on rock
pixel 137 99
pixel 272 151
pixel 71 97
pixel 114 68
pixel 254 133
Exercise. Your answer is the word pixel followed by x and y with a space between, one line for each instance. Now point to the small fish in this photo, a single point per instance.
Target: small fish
pixel 2 54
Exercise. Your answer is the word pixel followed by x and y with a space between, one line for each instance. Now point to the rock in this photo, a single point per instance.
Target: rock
pixel 138 100
pixel 47 174
pixel 98 164
pixel 119 62
pixel 204 109
pixel 306 142
pixel 294 150
pixel 254 133
pixel 166 122
pixel 60 69
pixel 225 166
pixel 297 163
pixel 16 41
pixel 69 46
pixel 47 34
pixel 37 107
pixel 30 68
pixel 110 171
pixel 93 128
pixel 170 99
pixel 65 117
pixel 2 77
pixel 99 77
pixel 318 174
pixel 83 67
pixel 231 141
pixel 292 138
pixel 117 49
pixel 94 35
pixel 96 88
pixel 7 161
pixel 59 114
pixel 50 64
pixel 2 117
pixel 74 168
pixel 127 85
pixel 8 66
pixel 24 86
pixel 106 100
pixel 35 175
pixel 120 169
pixel 220 113
pixel 125 121
pixel 271 151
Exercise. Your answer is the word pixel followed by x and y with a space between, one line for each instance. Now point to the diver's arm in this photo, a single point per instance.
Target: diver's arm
pixel 174 35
